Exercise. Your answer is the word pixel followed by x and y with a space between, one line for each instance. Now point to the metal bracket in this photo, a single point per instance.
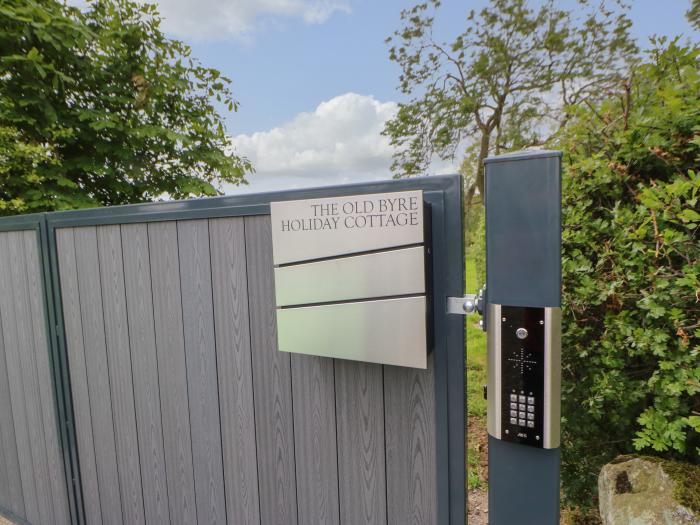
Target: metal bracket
pixel 468 304
pixel 462 305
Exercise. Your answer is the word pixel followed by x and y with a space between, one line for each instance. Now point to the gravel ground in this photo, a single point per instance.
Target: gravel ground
pixel 478 507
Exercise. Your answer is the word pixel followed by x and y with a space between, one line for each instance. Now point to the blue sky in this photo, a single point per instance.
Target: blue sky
pixel 314 80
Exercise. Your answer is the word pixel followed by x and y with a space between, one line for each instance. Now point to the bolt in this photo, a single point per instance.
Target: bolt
pixel 469 306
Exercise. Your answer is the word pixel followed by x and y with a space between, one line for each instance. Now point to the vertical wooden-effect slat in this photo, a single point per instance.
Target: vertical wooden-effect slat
pixel 315 439
pixel 172 371
pixel 230 287
pixel 12 491
pixel 87 258
pixel 139 301
pixel 120 380
pixel 14 375
pixel 361 461
pixel 410 444
pixel 68 271
pixel 56 480
pixel 14 499
pixel 198 317
pixel 4 471
pixel 24 349
pixel 271 384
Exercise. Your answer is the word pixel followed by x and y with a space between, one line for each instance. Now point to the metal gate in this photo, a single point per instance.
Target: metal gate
pixel 173 403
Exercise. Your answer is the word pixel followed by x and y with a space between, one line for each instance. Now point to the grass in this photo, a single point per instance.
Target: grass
pixel 476 379
pixel 476 354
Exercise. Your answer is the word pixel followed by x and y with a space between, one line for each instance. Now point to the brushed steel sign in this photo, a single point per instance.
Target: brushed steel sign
pixel 390 331
pixel 382 274
pixel 350 277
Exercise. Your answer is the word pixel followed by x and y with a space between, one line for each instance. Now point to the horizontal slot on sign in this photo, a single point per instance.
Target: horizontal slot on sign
pixel 403 296
pixel 345 256
pixel 381 274
pixel 390 331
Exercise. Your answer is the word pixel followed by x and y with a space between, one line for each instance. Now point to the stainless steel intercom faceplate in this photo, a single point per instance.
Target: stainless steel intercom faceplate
pixel 524 374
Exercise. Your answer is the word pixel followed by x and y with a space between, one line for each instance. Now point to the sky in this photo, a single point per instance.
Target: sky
pixel 315 83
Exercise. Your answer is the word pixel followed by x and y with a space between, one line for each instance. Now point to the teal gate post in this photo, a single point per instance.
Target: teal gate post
pixel 523 267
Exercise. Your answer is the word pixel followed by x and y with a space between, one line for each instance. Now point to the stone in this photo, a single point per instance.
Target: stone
pixel 648 491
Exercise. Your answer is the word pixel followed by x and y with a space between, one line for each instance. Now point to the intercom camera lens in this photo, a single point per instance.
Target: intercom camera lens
pixel 521 333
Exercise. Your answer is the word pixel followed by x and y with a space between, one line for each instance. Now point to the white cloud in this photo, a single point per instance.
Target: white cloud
pixel 339 142
pixel 222 19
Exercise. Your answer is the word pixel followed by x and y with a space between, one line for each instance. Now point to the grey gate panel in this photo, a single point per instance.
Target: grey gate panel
pixel 186 412
pixel 32 480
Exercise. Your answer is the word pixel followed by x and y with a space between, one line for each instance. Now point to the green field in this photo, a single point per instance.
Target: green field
pixel 476 379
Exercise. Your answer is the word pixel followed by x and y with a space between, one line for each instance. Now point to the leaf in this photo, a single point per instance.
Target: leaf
pixel 689 215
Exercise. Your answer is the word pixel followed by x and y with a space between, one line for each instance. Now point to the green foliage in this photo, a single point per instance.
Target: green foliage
pixel 474 481
pixel 693 14
pixel 501 80
pixel 475 237
pixel 631 271
pixel 98 107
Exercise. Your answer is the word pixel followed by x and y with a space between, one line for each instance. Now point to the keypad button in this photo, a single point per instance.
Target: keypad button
pixel 521 407
pixel 530 424
pixel 521 422
pixel 513 413
pixel 513 397
pixel 530 400
pixel 521 399
pixel 513 421
pixel 531 417
pixel 530 408
pixel 514 406
pixel 521 415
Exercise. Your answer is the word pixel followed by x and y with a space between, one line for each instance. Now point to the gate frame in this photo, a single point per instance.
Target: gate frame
pixel 444 195
pixel 59 373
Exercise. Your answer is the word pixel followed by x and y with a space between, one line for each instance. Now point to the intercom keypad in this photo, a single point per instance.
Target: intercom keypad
pixel 522 368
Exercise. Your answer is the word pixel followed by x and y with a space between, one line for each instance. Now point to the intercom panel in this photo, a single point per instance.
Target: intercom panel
pixel 524 374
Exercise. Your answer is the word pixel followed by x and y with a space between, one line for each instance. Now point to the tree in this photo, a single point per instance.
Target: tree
pixel 504 82
pixel 631 271
pixel 99 107
pixel 693 14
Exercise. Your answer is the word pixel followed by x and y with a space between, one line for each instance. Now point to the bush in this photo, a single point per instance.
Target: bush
pixel 631 288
